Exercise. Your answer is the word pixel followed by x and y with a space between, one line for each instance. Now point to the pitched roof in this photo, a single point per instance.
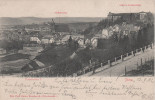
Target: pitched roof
pixel 98 35
pixel 121 14
pixel 34 33
pixel 40 64
pixel 66 37
pixel 48 37
pixel 77 35
pixel 80 39
pixel 129 27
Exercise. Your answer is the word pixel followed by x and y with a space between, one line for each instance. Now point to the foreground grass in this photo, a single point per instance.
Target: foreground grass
pixel 14 57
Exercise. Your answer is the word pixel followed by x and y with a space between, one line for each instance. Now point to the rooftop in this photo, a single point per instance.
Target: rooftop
pixel 120 14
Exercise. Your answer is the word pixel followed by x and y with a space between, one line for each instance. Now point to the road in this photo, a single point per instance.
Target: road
pixel 130 63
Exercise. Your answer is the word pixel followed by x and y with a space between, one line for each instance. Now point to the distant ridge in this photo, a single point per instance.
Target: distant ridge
pixel 37 20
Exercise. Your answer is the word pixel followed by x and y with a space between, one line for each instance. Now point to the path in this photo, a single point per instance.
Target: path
pixel 130 63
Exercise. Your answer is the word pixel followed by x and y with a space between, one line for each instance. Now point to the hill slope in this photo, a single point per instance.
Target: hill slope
pixel 30 20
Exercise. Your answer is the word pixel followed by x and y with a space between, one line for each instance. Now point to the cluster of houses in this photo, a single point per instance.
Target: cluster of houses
pixel 58 39
pixel 127 29
pixel 60 33
pixel 124 30
pixel 121 30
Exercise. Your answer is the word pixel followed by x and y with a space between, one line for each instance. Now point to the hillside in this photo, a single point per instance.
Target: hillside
pixel 30 20
pixel 54 55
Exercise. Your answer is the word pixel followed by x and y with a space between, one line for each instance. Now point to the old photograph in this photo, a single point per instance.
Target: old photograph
pixel 54 43
pixel 77 50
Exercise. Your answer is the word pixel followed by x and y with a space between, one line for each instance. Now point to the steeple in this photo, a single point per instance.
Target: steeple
pixel 53 26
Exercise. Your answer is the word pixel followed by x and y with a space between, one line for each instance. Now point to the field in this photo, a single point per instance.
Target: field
pixel 13 63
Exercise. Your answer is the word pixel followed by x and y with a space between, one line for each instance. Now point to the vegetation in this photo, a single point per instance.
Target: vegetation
pixel 54 55
pixel 10 45
pixel 67 67
pixel 145 69
pixel 106 49
pixel 14 57
pixel 72 44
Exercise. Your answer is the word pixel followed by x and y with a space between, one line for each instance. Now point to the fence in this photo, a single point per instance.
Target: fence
pixel 38 73
pixel 104 65
pixel 142 67
pixel 93 67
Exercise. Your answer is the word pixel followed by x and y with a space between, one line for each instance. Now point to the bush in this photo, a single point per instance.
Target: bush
pixel 10 45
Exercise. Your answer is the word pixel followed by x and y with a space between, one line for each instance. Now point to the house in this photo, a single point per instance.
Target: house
pixel 77 36
pixel 125 30
pixel 116 28
pixel 128 28
pixel 2 36
pixel 47 39
pixel 2 51
pixel 22 31
pixel 87 41
pixel 94 42
pixel 14 36
pixel 35 39
pixel 65 39
pixel 35 36
pixel 102 34
pixel 110 31
pixel 52 40
pixel 105 34
pixel 142 15
pixel 80 42
pixel 58 42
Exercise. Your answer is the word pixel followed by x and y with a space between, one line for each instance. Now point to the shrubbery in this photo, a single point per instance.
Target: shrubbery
pixel 10 45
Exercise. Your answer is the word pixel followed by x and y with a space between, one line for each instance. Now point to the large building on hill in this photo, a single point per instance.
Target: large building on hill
pixel 141 16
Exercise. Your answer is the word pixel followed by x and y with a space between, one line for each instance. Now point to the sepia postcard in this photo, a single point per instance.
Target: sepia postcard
pixel 77 50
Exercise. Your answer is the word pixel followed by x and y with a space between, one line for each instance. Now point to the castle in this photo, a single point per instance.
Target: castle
pixel 141 16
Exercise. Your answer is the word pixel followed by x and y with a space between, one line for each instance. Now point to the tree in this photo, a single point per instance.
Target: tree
pixel 70 41
pixel 72 44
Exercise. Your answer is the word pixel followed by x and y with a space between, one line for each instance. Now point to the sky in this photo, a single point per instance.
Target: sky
pixel 72 8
